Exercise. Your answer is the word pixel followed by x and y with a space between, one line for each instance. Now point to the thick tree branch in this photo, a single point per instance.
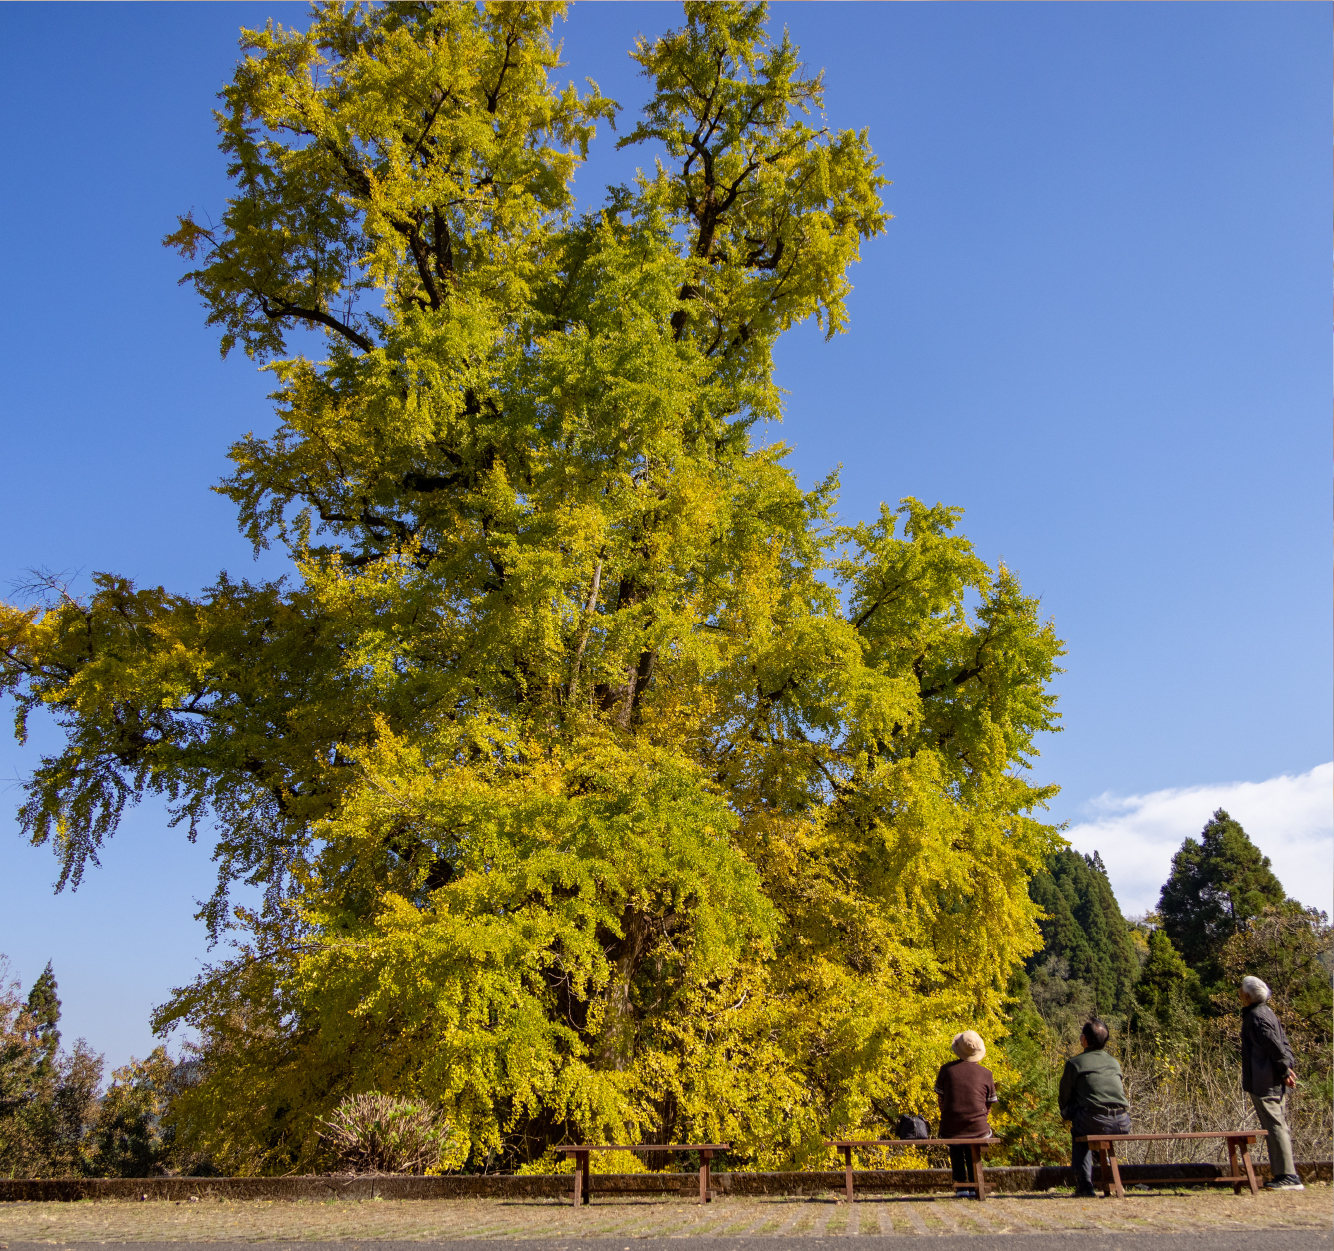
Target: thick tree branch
pixel 280 308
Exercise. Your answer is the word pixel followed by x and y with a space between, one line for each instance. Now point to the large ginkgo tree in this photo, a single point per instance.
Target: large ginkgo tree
pixel 597 784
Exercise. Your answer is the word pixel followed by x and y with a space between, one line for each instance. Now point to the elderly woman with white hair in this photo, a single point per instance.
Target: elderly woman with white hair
pixel 1268 1070
pixel 966 1092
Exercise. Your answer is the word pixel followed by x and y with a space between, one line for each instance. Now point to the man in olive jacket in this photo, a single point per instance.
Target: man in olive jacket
pixel 1267 1071
pixel 1093 1100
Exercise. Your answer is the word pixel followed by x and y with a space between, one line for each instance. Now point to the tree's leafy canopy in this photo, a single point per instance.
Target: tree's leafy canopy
pixel 1217 884
pixel 597 782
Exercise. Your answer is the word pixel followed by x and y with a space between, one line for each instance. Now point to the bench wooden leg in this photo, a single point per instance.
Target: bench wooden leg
pixel 704 1158
pixel 1116 1171
pixel 1250 1167
pixel 1101 1149
pixel 978 1177
pixel 847 1171
pixel 581 1186
pixel 1232 1164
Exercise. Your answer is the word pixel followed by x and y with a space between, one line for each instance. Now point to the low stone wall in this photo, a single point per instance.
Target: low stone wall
pixel 560 1185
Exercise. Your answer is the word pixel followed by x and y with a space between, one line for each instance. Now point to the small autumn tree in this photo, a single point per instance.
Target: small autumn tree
pixel 597 783
pixel 1217 884
pixel 1291 949
pixel 16 1065
pixel 129 1137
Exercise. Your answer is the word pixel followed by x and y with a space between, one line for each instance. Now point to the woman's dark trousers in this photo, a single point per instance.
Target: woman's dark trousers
pixel 1091 1121
pixel 961 1163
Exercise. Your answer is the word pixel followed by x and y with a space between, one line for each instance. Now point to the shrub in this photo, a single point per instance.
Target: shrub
pixel 376 1133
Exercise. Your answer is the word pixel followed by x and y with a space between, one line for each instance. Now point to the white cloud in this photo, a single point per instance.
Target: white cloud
pixel 1289 818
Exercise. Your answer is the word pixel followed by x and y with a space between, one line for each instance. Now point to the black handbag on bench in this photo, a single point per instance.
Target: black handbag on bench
pixel 914 1127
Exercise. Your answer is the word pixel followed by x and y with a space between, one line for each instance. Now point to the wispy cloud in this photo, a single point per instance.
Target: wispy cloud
pixel 1291 820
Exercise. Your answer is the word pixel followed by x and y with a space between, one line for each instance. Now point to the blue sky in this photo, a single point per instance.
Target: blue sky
pixel 1098 322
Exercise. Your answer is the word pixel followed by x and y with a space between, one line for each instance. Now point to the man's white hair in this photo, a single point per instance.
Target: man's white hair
pixel 1254 989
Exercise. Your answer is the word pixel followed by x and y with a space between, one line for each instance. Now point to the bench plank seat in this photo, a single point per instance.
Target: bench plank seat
pixel 978 1145
pixel 583 1179
pixel 1237 1140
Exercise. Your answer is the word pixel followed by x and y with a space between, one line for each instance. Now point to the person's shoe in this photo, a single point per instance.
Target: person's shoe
pixel 1285 1183
pixel 965 1194
pixel 1086 1194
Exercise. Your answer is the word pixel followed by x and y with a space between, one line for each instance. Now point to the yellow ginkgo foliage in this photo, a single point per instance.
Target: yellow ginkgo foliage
pixel 598 784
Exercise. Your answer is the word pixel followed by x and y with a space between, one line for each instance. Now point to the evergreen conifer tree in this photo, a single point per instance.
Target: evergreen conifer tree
pixel 1028 1120
pixel 1085 928
pixel 1169 993
pixel 44 1024
pixel 1217 884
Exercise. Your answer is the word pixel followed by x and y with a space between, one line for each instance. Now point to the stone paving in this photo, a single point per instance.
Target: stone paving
pixel 1184 1211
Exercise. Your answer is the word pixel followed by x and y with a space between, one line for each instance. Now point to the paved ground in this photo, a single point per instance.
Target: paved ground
pixel 1188 1220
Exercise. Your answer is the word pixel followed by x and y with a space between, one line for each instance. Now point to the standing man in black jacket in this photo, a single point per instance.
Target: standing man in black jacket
pixel 1267 1071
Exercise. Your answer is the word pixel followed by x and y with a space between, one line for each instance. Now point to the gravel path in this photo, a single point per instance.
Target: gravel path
pixel 1239 1240
pixel 1185 1219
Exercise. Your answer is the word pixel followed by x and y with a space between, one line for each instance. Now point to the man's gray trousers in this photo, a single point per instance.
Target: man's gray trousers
pixel 1269 1108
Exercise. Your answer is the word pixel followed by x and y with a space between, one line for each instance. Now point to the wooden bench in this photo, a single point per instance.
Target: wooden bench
pixel 1105 1146
pixel 583 1186
pixel 978 1145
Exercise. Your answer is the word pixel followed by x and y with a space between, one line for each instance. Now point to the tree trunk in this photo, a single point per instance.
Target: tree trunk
pixel 617 1050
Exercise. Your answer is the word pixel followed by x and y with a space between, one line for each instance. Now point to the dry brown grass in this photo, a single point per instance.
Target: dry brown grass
pixel 409 1220
pixel 1196 1087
